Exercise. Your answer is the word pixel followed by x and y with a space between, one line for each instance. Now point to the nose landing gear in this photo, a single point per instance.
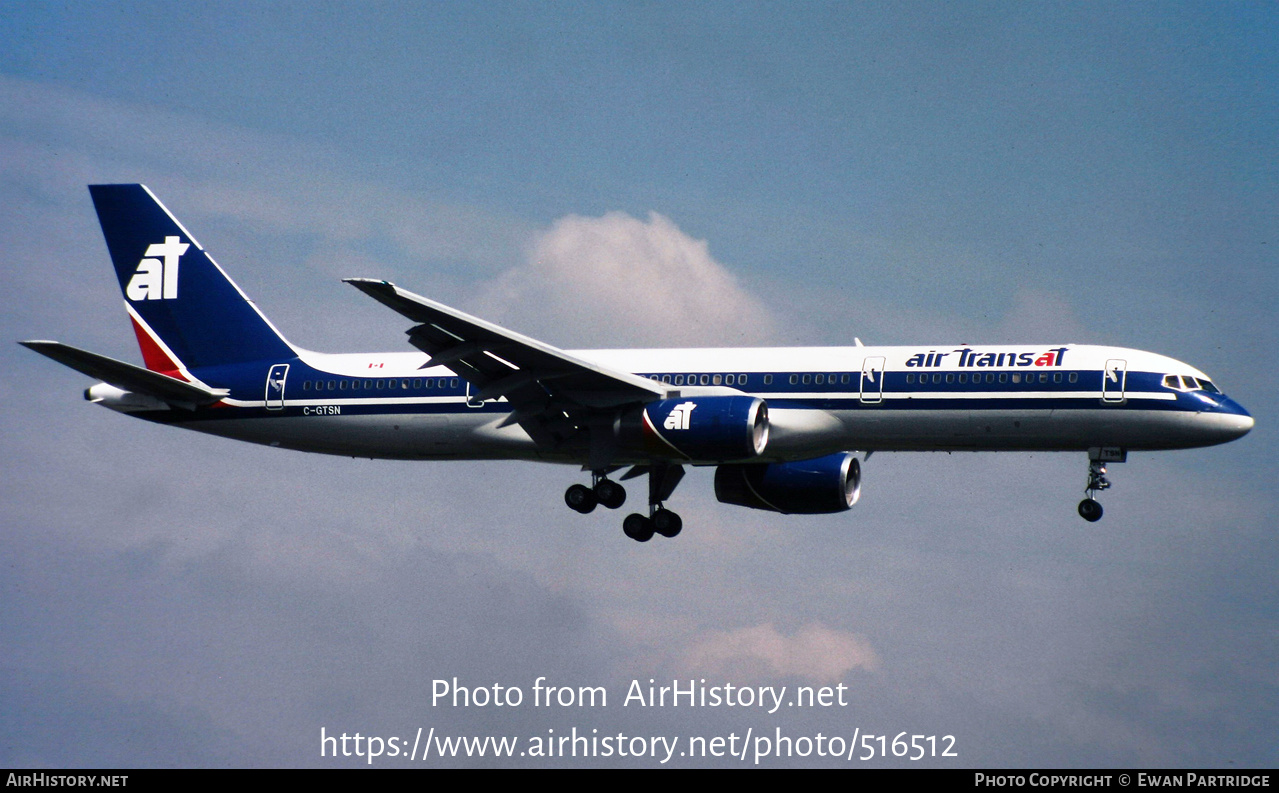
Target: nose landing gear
pixel 1090 509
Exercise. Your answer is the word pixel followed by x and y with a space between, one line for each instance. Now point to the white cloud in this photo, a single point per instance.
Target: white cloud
pixel 619 280
pixel 1040 316
pixel 814 652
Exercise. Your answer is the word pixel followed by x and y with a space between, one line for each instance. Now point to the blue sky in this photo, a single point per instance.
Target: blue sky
pixel 1099 173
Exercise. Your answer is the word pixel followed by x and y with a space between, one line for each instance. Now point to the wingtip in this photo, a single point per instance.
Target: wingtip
pixel 361 283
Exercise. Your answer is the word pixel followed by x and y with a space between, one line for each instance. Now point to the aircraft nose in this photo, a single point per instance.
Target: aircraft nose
pixel 1230 420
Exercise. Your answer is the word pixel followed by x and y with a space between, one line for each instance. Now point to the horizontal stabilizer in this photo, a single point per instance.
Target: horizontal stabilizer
pixel 127 376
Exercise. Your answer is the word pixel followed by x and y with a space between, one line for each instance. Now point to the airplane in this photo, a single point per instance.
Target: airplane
pixel 781 426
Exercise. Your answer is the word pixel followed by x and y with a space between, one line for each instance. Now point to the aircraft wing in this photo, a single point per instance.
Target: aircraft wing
pixel 127 376
pixel 545 385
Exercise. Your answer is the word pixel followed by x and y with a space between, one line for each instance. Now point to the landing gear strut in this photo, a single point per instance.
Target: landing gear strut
pixel 1090 509
pixel 662 479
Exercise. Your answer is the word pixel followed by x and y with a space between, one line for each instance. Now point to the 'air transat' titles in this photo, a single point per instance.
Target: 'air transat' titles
pixel 969 358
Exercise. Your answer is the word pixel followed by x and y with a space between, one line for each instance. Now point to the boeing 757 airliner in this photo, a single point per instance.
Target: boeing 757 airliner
pixel 781 425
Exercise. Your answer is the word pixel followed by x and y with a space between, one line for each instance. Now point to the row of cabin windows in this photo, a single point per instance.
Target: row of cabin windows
pixel 379 384
pixel 991 377
pixel 847 378
pixel 741 379
pixel 703 379
pixel 819 379
pixel 1170 381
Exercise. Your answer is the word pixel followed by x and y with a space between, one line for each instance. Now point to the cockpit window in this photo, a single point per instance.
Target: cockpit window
pixel 1187 383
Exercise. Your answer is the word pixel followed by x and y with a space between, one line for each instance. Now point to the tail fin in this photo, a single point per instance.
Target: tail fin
pixel 186 312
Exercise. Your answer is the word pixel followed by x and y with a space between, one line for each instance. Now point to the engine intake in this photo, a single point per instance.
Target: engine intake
pixel 806 487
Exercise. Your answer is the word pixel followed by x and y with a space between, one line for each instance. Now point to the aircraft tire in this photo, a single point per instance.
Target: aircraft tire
pixel 610 493
pixel 580 498
pixel 667 523
pixel 1090 510
pixel 638 527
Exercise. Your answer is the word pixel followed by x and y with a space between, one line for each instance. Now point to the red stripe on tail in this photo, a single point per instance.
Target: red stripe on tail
pixel 156 359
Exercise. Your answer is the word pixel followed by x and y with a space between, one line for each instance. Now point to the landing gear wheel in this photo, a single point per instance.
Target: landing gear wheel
pixel 610 493
pixel 638 527
pixel 1090 510
pixel 666 523
pixel 580 498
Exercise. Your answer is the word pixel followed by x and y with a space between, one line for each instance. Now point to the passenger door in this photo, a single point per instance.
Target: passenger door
pixel 1113 380
pixel 275 386
pixel 872 382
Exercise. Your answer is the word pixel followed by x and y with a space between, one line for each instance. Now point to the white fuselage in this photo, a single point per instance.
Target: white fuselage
pixel 820 400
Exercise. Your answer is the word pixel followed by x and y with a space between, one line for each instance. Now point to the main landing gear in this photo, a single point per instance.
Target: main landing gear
pixel 603 491
pixel 662 479
pixel 1090 509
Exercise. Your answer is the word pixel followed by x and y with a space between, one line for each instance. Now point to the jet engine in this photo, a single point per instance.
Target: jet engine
pixel 698 429
pixel 806 487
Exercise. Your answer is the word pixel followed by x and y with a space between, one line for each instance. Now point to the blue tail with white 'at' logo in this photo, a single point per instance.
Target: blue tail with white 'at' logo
pixel 186 312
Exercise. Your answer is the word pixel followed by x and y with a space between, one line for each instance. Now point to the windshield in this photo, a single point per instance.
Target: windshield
pixel 1187 383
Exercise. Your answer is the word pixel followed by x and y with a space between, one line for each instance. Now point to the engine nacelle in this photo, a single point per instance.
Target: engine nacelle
pixel 806 487
pixel 698 429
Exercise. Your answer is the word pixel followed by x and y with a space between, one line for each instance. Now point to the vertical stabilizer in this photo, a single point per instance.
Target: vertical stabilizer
pixel 186 312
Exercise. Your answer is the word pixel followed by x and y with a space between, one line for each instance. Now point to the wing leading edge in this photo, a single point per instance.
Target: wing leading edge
pixel 556 396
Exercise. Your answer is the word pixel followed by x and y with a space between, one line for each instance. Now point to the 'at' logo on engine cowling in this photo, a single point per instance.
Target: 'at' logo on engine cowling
pixel 680 417
pixel 712 428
